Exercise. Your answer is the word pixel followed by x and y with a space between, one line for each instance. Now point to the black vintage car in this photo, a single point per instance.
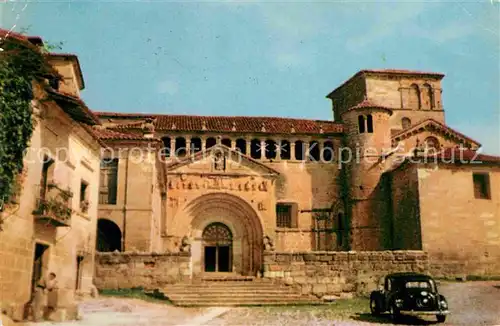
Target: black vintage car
pixel 409 294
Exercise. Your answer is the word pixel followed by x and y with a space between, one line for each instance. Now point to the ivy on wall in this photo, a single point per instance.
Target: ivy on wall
pixel 21 64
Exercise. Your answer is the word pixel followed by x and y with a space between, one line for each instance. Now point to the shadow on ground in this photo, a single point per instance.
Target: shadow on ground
pixel 385 319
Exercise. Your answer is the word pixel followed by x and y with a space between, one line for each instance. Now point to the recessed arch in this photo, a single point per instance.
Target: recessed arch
pixel 109 236
pixel 415 97
pixel 243 222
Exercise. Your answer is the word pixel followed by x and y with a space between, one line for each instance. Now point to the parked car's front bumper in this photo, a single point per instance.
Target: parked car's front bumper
pixel 424 312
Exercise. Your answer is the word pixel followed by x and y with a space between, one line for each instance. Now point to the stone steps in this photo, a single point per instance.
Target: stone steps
pixel 235 293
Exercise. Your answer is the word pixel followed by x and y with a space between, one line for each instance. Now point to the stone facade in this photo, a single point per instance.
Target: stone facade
pixel 332 273
pixel 51 225
pixel 366 199
pixel 253 196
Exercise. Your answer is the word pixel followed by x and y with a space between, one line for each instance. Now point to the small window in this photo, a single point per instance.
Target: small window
pixel 328 151
pixel 195 145
pixel 361 124
pixel 405 123
pixel 255 149
pixel 210 142
pixel 270 149
pixel 108 181
pixel 166 147
pixel 84 203
pixel 285 215
pixel 481 185
pixel 369 123
pixel 226 142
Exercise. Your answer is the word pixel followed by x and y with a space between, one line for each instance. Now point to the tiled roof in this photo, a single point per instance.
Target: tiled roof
pixel 77 109
pixel 367 104
pixel 35 40
pixel 238 124
pixel 110 135
pixel 458 155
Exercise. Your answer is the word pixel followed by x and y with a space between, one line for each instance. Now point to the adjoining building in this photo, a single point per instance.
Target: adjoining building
pixel 50 227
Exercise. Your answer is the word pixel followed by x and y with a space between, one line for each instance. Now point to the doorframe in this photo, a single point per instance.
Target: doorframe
pixel 217 246
pixel 46 254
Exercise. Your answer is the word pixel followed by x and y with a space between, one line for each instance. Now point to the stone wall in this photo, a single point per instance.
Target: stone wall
pixel 332 273
pixel 126 270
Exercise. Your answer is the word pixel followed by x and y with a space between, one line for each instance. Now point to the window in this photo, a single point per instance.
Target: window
pixel 429 96
pixel 195 145
pixel 180 146
pixel 369 123
pixel 299 150
pixel 84 203
pixel 285 215
pixel 314 151
pixel 241 145
pixel 226 142
pixel 108 182
pixel 47 174
pixel 284 150
pixel 481 185
pixel 210 142
pixel 166 147
pixel 405 123
pixel 361 124
pixel 414 97
pixel 328 151
pixel 255 149
pixel 270 149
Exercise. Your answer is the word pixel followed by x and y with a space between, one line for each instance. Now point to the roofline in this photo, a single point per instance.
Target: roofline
pixel 75 62
pixel 155 115
pixel 436 75
pixel 423 122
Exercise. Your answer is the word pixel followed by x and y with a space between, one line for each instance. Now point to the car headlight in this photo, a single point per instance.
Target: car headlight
pixel 399 303
pixel 443 304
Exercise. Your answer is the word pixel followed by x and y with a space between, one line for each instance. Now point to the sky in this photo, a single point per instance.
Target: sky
pixel 271 58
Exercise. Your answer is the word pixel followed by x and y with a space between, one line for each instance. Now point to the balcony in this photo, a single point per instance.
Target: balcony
pixel 53 206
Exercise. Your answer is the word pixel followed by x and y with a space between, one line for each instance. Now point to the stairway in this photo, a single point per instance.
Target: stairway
pixel 235 291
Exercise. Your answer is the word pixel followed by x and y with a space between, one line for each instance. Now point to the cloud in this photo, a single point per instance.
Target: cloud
pixel 168 87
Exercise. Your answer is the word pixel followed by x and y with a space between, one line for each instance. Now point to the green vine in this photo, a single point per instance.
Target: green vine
pixel 21 64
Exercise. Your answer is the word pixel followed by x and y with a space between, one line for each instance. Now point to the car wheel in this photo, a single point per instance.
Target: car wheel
pixel 441 318
pixel 374 308
pixel 394 312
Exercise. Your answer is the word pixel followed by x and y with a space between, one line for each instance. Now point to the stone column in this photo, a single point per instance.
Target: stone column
pixel 306 150
pixel 320 148
pixel 248 143
pixel 262 149
pixel 203 143
pixel 233 144
pixel 292 150
pixel 278 150
pixel 188 145
pixel 172 147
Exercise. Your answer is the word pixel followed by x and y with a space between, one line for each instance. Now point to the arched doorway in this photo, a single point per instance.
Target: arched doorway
pixel 233 226
pixel 217 248
pixel 109 236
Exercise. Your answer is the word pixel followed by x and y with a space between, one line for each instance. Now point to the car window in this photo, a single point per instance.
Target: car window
pixel 417 285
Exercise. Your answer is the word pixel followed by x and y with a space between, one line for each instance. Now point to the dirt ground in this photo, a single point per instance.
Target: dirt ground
pixel 471 304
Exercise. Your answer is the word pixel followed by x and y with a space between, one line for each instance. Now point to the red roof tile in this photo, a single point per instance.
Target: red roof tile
pixel 82 114
pixel 367 104
pixel 240 124
pixel 438 125
pixel 35 40
pixel 465 155
pixel 106 134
